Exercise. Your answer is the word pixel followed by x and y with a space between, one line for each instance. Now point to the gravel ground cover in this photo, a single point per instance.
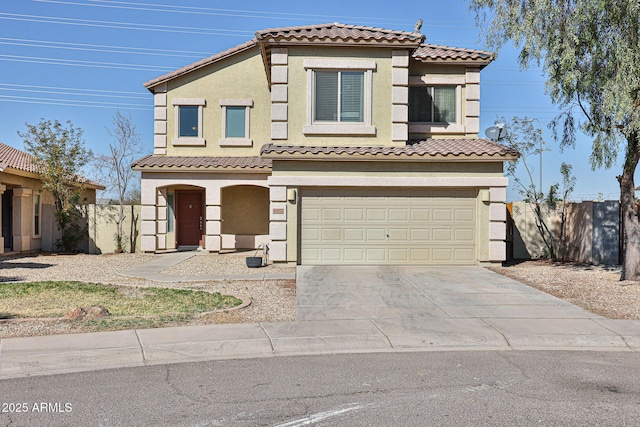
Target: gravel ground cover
pixel 271 300
pixel 594 288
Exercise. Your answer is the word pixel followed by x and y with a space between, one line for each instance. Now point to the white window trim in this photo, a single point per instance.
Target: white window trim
pixel 39 235
pixel 313 127
pixel 236 142
pixel 430 127
pixel 182 140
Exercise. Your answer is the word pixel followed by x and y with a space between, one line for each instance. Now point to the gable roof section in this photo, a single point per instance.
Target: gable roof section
pixel 336 33
pixel 436 53
pixel 12 158
pixel 202 63
pixel 222 164
pixel 462 149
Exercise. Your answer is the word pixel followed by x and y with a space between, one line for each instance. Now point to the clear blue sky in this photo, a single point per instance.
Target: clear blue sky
pixel 80 60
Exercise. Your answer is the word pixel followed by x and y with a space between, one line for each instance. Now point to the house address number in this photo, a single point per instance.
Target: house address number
pixel 278 211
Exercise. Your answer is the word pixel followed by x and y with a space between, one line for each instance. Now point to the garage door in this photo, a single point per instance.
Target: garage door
pixel 342 226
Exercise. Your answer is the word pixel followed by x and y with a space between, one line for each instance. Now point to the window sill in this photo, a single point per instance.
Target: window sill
pixel 236 142
pixel 188 141
pixel 436 128
pixel 339 129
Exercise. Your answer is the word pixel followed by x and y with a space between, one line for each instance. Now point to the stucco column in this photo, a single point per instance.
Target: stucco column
pixel 148 214
pixel 3 188
pixel 213 217
pixel 279 93
pixel 22 219
pixel 497 224
pixel 161 220
pixel 400 96
pixel 278 223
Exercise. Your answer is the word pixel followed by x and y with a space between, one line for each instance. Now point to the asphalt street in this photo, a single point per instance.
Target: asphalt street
pixel 410 389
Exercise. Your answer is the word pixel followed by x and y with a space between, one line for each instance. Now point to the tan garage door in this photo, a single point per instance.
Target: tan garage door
pixel 343 226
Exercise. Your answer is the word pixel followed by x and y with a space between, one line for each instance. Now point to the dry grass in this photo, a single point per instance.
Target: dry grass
pixel 55 299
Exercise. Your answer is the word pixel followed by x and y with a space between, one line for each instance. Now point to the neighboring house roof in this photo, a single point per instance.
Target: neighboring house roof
pixel 335 34
pixel 455 149
pixel 12 158
pixel 257 164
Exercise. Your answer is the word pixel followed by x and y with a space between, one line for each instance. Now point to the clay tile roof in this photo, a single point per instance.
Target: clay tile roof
pixel 16 159
pixel 460 148
pixel 13 158
pixel 333 32
pixel 430 52
pixel 202 63
pixel 203 162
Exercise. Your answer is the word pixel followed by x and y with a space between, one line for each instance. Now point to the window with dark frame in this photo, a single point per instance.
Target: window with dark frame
pixel 432 104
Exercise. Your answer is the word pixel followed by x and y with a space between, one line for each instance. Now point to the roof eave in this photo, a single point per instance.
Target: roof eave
pixel 461 158
pixel 195 169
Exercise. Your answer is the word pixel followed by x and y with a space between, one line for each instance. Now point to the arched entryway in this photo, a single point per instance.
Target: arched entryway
pixel 244 216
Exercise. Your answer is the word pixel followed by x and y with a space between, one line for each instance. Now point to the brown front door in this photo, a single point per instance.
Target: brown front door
pixel 189 218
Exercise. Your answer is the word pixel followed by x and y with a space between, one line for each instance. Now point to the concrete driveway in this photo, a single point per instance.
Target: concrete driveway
pixel 416 306
pixel 380 292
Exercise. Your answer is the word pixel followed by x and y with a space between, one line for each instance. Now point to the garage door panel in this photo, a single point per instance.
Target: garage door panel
pixel 376 254
pixel 420 214
pixel 331 234
pixel 420 235
pixel 399 255
pixel 354 235
pixel 376 214
pixel 442 235
pixel 351 214
pixel 331 214
pixel 376 235
pixel 398 235
pixel 388 226
pixel 400 215
pixel 442 215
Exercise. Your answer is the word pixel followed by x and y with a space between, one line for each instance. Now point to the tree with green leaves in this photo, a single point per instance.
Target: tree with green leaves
pixel 116 170
pixel 525 138
pixel 59 154
pixel 589 50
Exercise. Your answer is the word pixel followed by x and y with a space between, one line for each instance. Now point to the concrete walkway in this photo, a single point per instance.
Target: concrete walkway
pixel 153 271
pixel 348 310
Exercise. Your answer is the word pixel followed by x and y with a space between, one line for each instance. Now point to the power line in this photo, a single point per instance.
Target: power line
pixel 122 25
pixel 155 7
pixel 102 92
pixel 74 103
pixel 101 48
pixel 81 63
pixel 58 92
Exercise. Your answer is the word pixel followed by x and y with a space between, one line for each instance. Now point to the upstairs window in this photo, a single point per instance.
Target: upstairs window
pixel 235 122
pixel 339 96
pixel 188 121
pixel 432 104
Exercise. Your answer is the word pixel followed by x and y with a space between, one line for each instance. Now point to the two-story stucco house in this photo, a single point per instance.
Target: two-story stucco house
pixel 333 144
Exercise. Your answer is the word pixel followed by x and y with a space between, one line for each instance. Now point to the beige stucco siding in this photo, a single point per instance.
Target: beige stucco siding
pixel 381 95
pixel 240 77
